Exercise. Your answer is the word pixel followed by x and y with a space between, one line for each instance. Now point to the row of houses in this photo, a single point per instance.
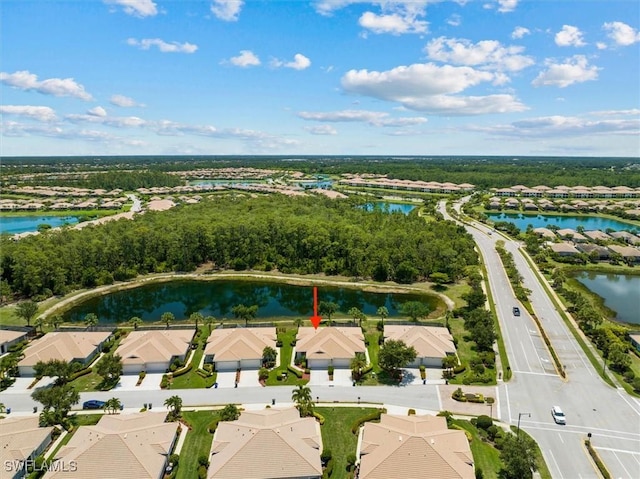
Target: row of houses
pixel 563 191
pixel 52 191
pixel 260 444
pixel 227 349
pixel 545 204
pixel 71 204
pixel 405 185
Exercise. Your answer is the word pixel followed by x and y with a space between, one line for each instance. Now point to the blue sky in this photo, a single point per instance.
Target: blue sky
pixel 334 77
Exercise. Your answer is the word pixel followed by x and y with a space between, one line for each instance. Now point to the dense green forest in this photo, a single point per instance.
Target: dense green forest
pixel 111 180
pixel 485 172
pixel 293 235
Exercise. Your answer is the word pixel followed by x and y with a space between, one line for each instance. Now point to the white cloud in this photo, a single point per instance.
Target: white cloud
pixel 27 81
pixel 246 59
pixel 164 47
pixel 123 101
pixel 373 118
pixel 97 111
pixel 506 6
pixel 569 36
pixel 394 23
pixel 489 54
pixel 520 32
pixel 138 8
pixel 428 87
pixel 621 33
pixel 300 62
pixel 454 20
pixel 227 10
pixel 601 45
pixel 40 113
pixel 321 130
pixel 574 70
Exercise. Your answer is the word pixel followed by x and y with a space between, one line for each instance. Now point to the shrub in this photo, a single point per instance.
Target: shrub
pixel 174 459
pixel 328 470
pixel 183 371
pixel 484 422
pixel 411 412
pixel 164 383
pixel 213 425
pixel 458 395
pixel 279 343
pixel 203 460
pixel 422 368
pixel 263 374
pixel 374 416
pixel 202 472
pixel 295 371
pixel 331 369
pixel 77 374
pixel 629 375
pixel 142 374
pixel 208 367
pixel 319 417
pixel 636 385
pixel 326 455
pixel 351 461
pixel 459 369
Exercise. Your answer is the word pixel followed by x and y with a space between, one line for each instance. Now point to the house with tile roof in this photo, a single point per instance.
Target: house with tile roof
pixel 126 446
pixel 8 338
pixel 413 447
pixel 267 444
pixel 238 348
pixel 335 346
pixel 431 343
pixel 153 351
pixel 79 346
pixel 21 441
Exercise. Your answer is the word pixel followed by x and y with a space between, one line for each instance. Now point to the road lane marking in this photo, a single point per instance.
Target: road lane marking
pixel 506 390
pixel 556 464
pixel 524 352
pixel 625 400
pixel 439 398
pixel 622 465
pixel 560 436
pixel 498 402
pixel 633 453
pixel 534 373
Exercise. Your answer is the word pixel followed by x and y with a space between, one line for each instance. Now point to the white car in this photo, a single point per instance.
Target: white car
pixel 558 415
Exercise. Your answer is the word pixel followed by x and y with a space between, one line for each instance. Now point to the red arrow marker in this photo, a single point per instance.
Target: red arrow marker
pixel 315 319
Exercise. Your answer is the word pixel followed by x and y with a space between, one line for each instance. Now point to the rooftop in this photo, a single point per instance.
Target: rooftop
pixel 65 346
pixel 428 341
pixel 330 342
pixel 154 346
pixel 235 344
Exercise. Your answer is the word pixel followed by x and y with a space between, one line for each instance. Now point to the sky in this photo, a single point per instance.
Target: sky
pixel 320 77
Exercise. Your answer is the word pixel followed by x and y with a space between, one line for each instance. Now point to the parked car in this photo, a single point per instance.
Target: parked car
pixel 93 404
pixel 558 415
pixel 516 311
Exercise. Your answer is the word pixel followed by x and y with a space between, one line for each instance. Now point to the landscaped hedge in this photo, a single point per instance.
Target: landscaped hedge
pixel 594 455
pixel 319 417
pixel 295 371
pixel 183 371
pixel 80 373
pixel 374 416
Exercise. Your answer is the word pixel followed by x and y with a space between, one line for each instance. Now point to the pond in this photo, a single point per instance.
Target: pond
pixel 544 221
pixel 216 298
pixel 390 207
pixel 22 224
pixel 620 292
pixel 224 182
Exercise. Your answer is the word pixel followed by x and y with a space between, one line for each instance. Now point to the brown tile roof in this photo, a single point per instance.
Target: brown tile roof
pixel 428 341
pixel 130 446
pixel 141 347
pixel 20 436
pixel 330 342
pixel 266 444
pixel 235 344
pixel 65 346
pixel 408 446
pixel 7 335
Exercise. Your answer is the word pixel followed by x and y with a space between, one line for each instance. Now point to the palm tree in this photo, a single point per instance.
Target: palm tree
pixel 357 315
pixel 174 403
pixel 245 312
pixel 230 413
pixel 2 408
pixel 328 308
pixel 39 323
pixel 91 320
pixel 209 320
pixel 269 356
pixel 167 318
pixel 112 405
pixel 56 320
pixel 136 321
pixel 358 363
pixel 298 322
pixel 383 312
pixel 196 318
pixel 303 400
pixel 27 310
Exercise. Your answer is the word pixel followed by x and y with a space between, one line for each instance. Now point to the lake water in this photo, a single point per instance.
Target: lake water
pixel 223 182
pixel 216 298
pixel 572 222
pixel 22 224
pixel 620 292
pixel 391 207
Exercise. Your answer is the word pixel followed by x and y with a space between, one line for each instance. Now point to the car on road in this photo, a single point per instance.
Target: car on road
pixel 558 415
pixel 93 404
pixel 516 311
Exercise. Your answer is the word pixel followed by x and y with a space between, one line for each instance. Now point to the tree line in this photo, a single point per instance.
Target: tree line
pixel 301 235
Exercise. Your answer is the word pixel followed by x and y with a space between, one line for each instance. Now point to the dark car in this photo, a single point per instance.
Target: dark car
pixel 93 404
pixel 516 311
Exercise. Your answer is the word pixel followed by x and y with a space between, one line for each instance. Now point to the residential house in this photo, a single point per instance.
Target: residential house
pixel 154 351
pixel 545 233
pixel 591 249
pixel 564 249
pixel 8 338
pixel 21 441
pixel 335 346
pixel 629 253
pixel 430 342
pixel 626 236
pixel 569 234
pixel 238 348
pixel 597 235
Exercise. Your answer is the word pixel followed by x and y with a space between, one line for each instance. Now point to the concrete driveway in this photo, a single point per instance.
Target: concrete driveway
pixel 226 379
pixel 21 385
pixel 341 377
pixel 249 378
pixel 411 376
pixel 128 382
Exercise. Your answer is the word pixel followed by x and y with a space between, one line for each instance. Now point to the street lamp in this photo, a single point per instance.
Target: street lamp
pixel 520 414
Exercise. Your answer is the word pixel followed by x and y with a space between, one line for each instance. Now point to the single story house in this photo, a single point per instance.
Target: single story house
pixel 126 445
pixel 572 235
pixel 335 346
pixel 8 338
pixel 431 343
pixel 413 447
pixel 153 351
pixel 21 439
pixel 627 252
pixel 545 233
pixel 597 235
pixel 626 236
pixel 238 348
pixel 267 444
pixel 635 340
pixel 79 346
pixel 564 249
pixel 590 248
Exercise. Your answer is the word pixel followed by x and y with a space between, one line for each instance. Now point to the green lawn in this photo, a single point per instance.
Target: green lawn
pixel 337 435
pixel 197 442
pixel 485 456
pixel 192 379
pixel 285 359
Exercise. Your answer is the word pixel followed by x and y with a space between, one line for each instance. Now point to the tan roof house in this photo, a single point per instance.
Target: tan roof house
pixel 21 441
pixel 626 236
pixel 413 447
pixel 564 249
pixel 122 446
pixel 238 348
pixel 597 235
pixel 572 235
pixel 627 252
pixel 545 233
pixel 153 351
pixel 8 338
pixel 80 346
pixel 267 444
pixel 430 342
pixel 334 346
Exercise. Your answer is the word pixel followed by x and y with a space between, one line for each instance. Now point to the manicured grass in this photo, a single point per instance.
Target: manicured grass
pixel 337 435
pixel 485 456
pixel 192 379
pixel 197 443
pixel 286 351
pixel 88 382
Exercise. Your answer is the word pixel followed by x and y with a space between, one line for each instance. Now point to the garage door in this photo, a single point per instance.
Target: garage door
pixel 250 364
pixel 432 362
pixel 318 363
pixel 342 363
pixel 226 365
